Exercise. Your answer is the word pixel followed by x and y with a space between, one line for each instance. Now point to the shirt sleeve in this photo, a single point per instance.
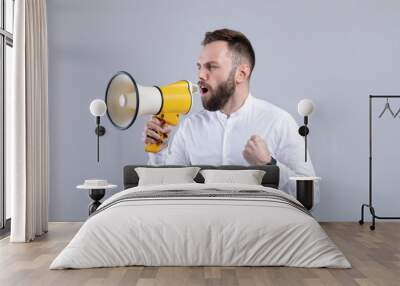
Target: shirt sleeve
pixel 175 154
pixel 290 157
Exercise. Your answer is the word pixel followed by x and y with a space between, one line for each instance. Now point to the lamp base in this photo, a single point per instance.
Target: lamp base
pixel 100 130
pixel 303 130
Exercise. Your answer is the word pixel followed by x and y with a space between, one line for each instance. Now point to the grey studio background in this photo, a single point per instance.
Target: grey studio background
pixel 333 52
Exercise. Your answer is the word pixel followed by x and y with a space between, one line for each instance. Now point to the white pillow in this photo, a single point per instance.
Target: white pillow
pixel 163 176
pixel 249 177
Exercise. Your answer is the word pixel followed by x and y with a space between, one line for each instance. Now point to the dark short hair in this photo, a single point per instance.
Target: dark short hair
pixel 237 43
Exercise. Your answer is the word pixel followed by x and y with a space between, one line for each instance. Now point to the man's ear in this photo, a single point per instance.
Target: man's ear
pixel 242 73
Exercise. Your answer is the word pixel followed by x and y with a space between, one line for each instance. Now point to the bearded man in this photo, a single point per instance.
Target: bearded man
pixel 234 128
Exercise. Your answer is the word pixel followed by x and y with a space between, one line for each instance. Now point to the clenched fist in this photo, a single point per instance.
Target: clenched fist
pixel 256 151
pixel 152 131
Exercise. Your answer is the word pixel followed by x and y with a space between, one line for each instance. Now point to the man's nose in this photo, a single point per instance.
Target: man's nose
pixel 202 74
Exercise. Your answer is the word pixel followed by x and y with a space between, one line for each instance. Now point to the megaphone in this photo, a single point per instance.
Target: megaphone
pixel 126 100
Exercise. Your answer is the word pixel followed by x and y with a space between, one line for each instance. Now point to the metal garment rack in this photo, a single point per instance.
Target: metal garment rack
pixel 369 205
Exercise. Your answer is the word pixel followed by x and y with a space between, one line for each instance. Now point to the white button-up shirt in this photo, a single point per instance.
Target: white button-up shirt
pixel 213 138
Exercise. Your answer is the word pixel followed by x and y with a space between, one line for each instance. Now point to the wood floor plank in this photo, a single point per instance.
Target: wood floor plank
pixel 374 255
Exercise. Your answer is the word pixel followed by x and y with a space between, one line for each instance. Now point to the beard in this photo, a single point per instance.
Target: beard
pixel 223 92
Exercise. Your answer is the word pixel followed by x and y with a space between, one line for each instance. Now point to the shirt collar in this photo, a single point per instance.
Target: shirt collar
pixel 240 112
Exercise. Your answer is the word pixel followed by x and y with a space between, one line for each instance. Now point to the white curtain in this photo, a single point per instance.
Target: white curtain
pixel 27 123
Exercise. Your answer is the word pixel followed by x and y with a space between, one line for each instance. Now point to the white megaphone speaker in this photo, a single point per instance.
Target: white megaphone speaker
pixel 126 100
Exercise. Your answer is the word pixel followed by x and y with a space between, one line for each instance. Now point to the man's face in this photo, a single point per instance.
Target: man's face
pixel 216 75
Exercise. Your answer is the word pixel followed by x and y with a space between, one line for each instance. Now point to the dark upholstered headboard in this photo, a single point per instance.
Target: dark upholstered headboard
pixel 270 179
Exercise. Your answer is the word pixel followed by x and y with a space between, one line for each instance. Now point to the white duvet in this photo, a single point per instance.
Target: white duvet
pixel 200 231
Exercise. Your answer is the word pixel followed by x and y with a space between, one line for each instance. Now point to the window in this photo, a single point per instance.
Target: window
pixel 9 16
pixel 6 64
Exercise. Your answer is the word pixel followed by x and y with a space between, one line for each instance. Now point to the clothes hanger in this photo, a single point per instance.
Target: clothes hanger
pixel 387 107
pixel 397 113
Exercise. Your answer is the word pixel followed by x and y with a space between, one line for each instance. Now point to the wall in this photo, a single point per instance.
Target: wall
pixel 334 52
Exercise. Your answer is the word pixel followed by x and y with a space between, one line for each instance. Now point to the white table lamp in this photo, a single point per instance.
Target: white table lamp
pixel 98 108
pixel 305 108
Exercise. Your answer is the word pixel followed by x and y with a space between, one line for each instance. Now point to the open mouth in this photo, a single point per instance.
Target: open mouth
pixel 204 88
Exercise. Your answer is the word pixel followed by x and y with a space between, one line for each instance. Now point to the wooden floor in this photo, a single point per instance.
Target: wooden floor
pixel 374 255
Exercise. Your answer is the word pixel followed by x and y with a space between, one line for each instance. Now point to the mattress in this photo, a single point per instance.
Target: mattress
pixel 201 225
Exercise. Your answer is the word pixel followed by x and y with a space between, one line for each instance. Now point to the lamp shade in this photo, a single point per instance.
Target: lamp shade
pixel 98 107
pixel 305 107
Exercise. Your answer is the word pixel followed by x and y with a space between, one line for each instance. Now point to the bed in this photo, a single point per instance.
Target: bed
pixel 201 224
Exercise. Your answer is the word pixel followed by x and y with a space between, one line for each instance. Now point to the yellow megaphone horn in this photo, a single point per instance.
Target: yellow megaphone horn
pixel 126 100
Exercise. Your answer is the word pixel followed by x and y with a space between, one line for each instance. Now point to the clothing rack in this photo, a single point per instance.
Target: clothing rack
pixel 369 205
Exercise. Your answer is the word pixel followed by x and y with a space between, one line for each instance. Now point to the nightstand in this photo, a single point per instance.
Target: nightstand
pixel 97 189
pixel 305 190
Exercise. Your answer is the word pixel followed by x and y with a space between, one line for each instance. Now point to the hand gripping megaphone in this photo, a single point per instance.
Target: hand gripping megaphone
pixel 125 100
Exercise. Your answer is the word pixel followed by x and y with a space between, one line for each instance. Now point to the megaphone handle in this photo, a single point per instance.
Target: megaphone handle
pixel 163 122
pixel 156 147
pixel 165 118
